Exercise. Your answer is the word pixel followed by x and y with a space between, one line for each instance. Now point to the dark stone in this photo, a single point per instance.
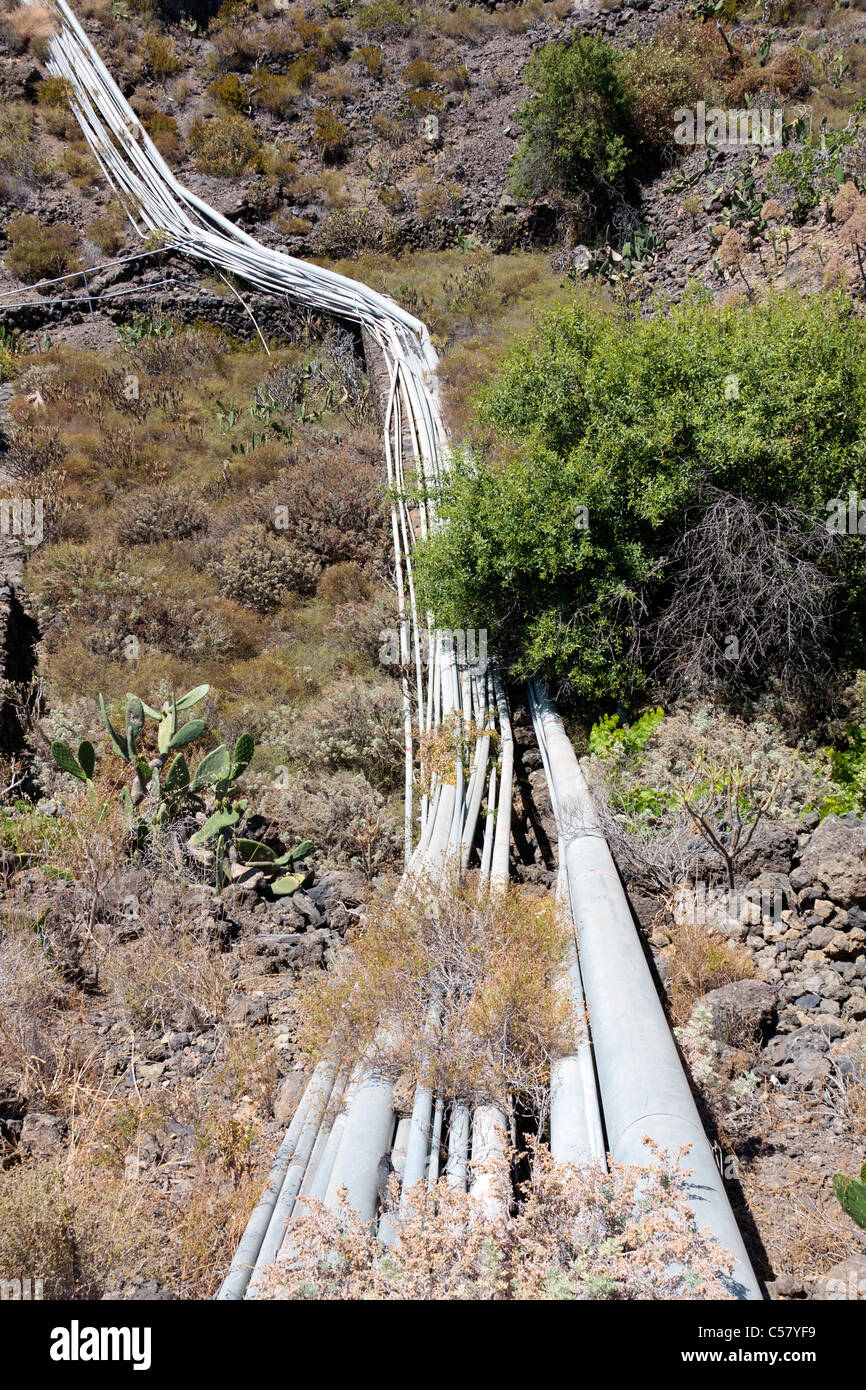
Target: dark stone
pixel 771 850
pixel 41 1135
pixel 245 1009
pixel 744 1008
pixel 835 857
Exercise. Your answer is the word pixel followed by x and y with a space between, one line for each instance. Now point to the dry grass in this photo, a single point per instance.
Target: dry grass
pixel 803 1227
pixel 120 1201
pixel 699 960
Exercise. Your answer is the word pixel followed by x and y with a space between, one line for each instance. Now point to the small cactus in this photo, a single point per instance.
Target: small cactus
pixel 174 791
pixel 81 767
pixel 852 1196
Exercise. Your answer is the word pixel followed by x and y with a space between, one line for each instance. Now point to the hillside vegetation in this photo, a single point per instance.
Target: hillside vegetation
pixel 652 365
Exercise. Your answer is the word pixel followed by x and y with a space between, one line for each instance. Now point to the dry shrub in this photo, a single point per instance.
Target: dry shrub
pixel 772 210
pixel 229 91
pixel 392 130
pixel 291 226
pixel 836 273
pixel 789 73
pixel 759 570
pixel 343 814
pixel 225 145
pixel 33 26
pixel 330 136
pixel 16 141
pixel 575 1234
pixel 274 91
pixel 324 510
pixel 163 131
pixel 33 1064
pixel 438 202
pixel 251 1066
pixel 354 727
pixel 349 231
pixel 52 97
pixel 419 73
pixel 371 55
pixel 167 978
pixel 494 958
pixel 420 100
pixel 846 202
pixel 254 569
pixel 158 56
pixel 343 583
pixel 203 1231
pixel 59 1226
pixel 33 451
pixel 81 168
pixel 108 230
pixel 184 352
pixel 157 515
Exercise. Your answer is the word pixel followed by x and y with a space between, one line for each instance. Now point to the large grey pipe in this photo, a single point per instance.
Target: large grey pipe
pixel 644 1089
pixel 235 1283
pixel 576 1129
pixel 275 1233
pixel 366 1136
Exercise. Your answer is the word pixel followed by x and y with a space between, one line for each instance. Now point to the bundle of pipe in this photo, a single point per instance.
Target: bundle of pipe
pixel 157 204
pixel 644 1089
pixel 458 692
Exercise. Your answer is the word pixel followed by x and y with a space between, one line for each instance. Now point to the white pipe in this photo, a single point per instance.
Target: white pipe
pixel 644 1090
pixel 284 1205
pixel 502 837
pixel 458 1146
pixel 366 1137
pixel 235 1283
pixel 418 1133
pixel 576 1130
pixel 435 1144
pixel 489 1142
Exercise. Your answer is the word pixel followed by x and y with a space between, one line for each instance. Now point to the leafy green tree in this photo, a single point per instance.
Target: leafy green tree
pixel 610 439
pixel 576 122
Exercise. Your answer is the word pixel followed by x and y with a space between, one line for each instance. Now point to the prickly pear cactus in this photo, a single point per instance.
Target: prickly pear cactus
pixel 852 1196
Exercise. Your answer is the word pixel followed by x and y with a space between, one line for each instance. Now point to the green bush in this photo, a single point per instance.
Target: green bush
pixel 330 136
pixel 158 56
pixel 608 736
pixel 16 138
pixel 611 435
pixel 813 168
pixel 384 19
pixel 229 91
pixel 595 109
pixel 576 122
pixel 224 146
pixel 37 251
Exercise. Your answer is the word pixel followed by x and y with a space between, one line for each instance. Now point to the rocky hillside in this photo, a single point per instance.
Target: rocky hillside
pixel 215 516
